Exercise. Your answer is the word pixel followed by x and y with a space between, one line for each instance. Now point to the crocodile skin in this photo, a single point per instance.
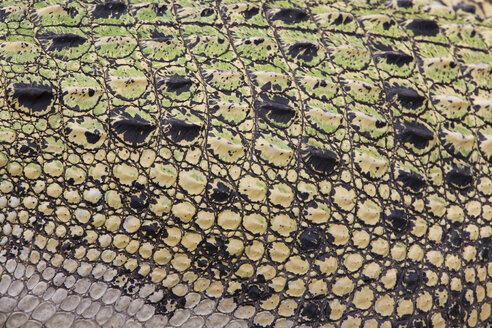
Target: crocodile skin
pixel 262 164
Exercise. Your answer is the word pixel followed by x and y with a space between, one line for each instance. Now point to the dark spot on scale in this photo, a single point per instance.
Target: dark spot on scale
pixel 460 178
pixel 408 98
pixel 404 3
pixel 91 92
pixel 290 15
pixel 397 58
pixel 397 220
pixel 92 137
pixel 465 7
pixel 321 161
pixel 423 27
pixel 258 41
pixel 133 129
pixel 412 181
pixel 411 280
pixel 64 41
pixel 36 97
pixel 178 84
pixel 276 113
pixel 110 9
pixel 310 239
pixel 305 51
pixel 250 13
pixel 416 134
pixel 311 312
pixel 207 12
pixel 179 130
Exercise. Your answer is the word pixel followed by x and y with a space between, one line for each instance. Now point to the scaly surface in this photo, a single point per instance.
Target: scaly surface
pixel 262 164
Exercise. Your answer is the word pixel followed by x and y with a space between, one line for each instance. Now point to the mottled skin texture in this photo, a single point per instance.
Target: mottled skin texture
pixel 317 163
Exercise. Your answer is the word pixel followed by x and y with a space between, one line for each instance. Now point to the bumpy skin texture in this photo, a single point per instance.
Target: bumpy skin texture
pixel 262 164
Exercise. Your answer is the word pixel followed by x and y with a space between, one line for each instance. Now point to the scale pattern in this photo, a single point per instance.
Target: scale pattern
pixel 263 164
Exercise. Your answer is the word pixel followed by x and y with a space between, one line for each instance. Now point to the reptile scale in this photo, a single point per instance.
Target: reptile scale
pixel 231 165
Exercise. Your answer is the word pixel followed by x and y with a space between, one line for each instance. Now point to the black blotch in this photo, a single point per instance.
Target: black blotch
pixel 250 13
pixel 424 27
pixel 404 3
pixel 169 304
pixel 202 263
pixel 311 312
pixel 455 311
pixel 397 220
pixel 341 19
pixel 91 92
pixel 484 253
pixel 3 14
pixel 408 98
pixel 411 180
pixel 220 193
pixel 276 112
pixel 139 202
pixel 178 84
pixel 63 41
pixel 182 131
pixel 151 230
pixel 290 16
pixel 455 239
pixel 109 9
pixel 380 46
pixel 21 189
pixel 320 160
pixel 397 58
pixel 411 280
pixel 35 97
pixel 211 247
pixel 303 50
pixel 254 292
pixel 160 9
pixel 29 149
pixel 465 7
pixel 387 25
pixel 482 138
pixel 417 134
pixel 135 130
pixel 310 239
pixel 327 310
pixel 92 137
pixel 460 178
pixel 418 323
pixel 223 269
